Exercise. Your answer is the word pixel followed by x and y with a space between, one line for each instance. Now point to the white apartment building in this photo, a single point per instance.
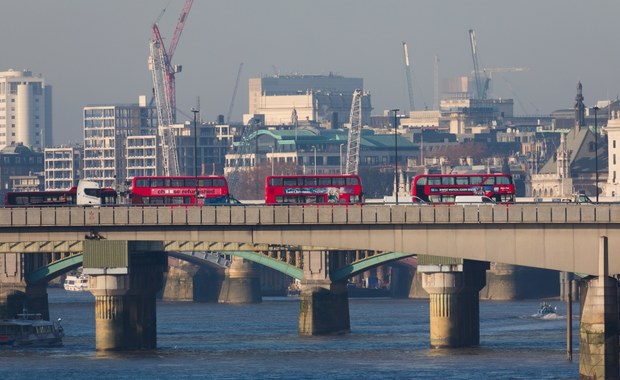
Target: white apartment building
pixel 25 110
pixel 141 156
pixel 63 167
pixel 107 129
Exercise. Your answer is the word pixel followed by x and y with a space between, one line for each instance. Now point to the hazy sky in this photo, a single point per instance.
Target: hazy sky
pixel 95 52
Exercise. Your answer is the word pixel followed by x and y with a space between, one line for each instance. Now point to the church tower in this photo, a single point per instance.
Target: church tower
pixel 580 109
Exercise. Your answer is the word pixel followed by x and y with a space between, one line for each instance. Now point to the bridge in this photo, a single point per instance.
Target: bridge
pixel 457 241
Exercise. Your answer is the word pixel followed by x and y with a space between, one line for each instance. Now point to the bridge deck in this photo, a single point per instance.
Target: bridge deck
pixel 553 236
pixel 275 215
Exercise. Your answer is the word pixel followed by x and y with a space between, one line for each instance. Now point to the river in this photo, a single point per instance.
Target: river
pixel 389 340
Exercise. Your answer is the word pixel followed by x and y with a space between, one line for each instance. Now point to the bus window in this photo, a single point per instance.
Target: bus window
pixel 421 181
pixel 503 180
pixel 325 181
pixel 352 181
pixel 462 181
pixel 434 180
pixel 275 182
pixel 447 180
pixel 434 198
pixel 309 181
pixel 290 182
pixel 338 181
pixel 476 180
pixel 179 182
pixel 448 199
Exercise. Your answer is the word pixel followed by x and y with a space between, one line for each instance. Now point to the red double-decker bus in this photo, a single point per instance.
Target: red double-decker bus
pixel 443 188
pixel 313 189
pixel 179 190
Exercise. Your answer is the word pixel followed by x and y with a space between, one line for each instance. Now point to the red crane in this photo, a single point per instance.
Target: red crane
pixel 170 69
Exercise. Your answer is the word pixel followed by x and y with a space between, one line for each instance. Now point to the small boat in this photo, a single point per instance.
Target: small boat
pixel 546 310
pixel 30 330
pixel 76 283
pixel 294 289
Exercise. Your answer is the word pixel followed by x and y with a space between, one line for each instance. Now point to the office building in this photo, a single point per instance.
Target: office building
pixel 107 129
pixel 314 98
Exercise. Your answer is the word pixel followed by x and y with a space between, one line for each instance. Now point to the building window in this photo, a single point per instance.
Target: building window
pixel 614 158
pixel 614 143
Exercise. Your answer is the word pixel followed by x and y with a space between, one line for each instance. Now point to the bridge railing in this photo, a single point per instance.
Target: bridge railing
pixel 277 215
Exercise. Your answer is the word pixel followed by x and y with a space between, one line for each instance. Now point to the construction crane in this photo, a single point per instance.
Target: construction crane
pixel 492 70
pixel 436 82
pixel 355 134
pixel 408 74
pixel 480 87
pixel 163 72
pixel 243 151
pixel 488 74
pixel 234 95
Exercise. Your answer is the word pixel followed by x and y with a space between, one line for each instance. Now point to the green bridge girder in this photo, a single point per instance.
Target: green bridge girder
pixel 73 262
pixel 270 262
pixel 59 267
pixel 367 263
pixel 54 269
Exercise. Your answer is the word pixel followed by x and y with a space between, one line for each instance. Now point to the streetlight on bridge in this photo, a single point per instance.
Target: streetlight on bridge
pixel 596 153
pixel 340 157
pixel 195 111
pixel 314 149
pixel 395 155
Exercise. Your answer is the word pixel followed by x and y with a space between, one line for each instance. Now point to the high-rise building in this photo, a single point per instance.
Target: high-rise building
pixel 63 167
pixel 106 132
pixel 315 98
pixel 25 110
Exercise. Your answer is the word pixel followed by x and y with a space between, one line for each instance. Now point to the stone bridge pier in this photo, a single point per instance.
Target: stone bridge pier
pixel 15 293
pixel 241 283
pixel 454 295
pixel 125 277
pixel 323 303
pixel 598 330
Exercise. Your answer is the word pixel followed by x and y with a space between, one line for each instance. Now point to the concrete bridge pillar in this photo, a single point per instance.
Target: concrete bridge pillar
pixel 124 278
pixel 454 302
pixel 15 293
pixel 598 343
pixel 241 283
pixel 324 305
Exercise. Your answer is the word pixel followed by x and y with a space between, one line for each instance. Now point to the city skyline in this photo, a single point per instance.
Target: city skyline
pixel 96 53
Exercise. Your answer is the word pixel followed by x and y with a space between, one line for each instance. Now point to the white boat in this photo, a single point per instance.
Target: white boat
pixel 294 289
pixel 546 310
pixel 76 283
pixel 30 330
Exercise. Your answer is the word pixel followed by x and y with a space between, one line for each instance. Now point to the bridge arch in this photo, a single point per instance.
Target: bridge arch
pixel 55 269
pixel 367 263
pixel 60 267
